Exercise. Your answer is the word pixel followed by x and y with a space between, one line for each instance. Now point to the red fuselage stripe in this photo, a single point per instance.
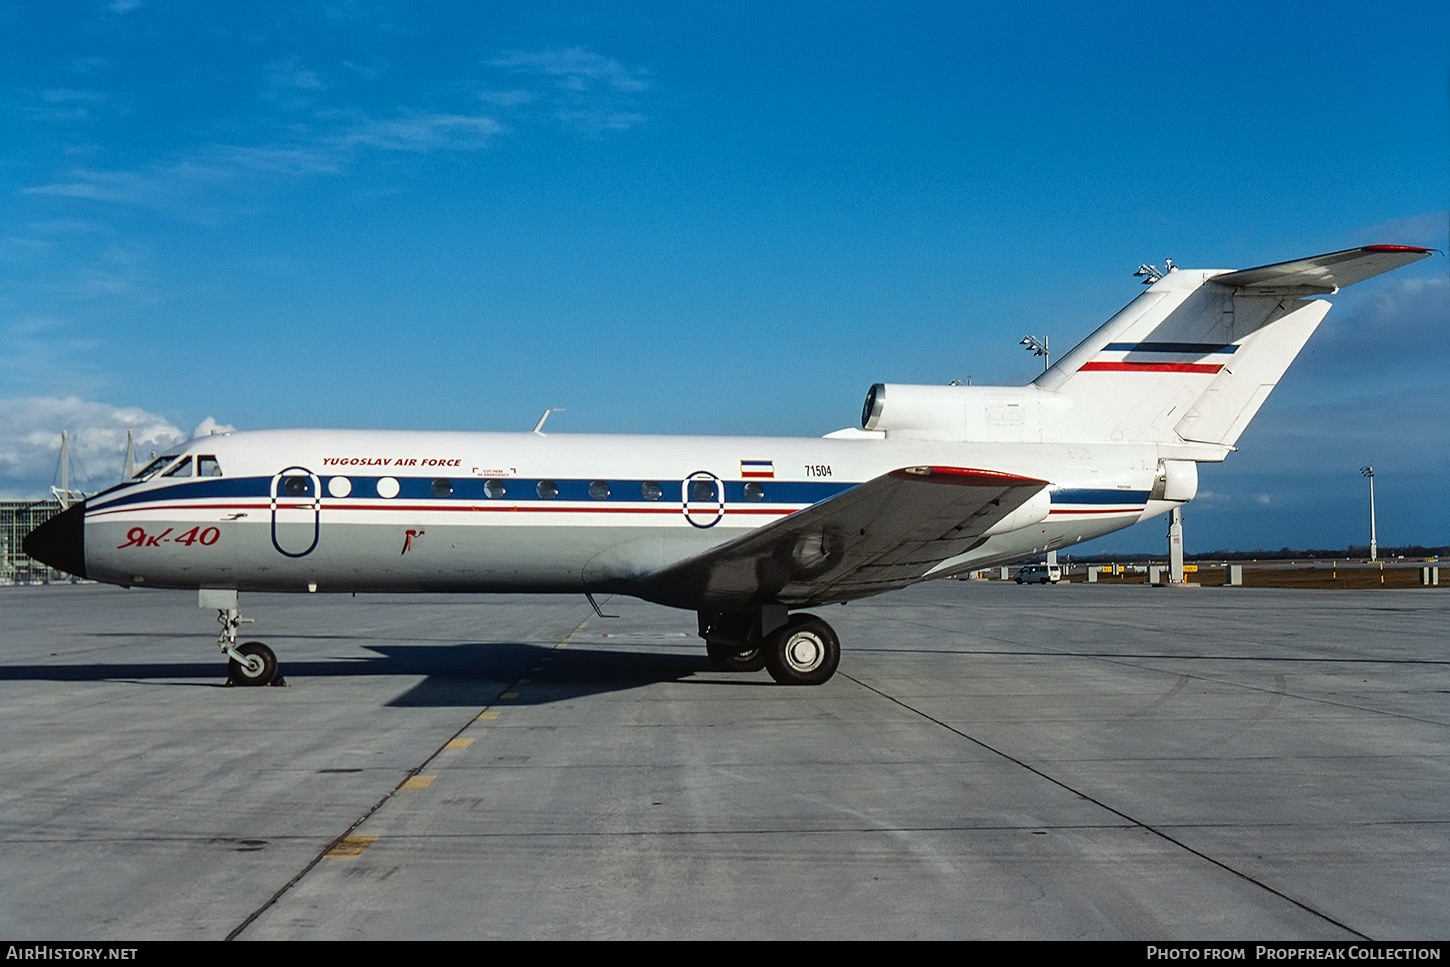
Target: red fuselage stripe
pixel 333 508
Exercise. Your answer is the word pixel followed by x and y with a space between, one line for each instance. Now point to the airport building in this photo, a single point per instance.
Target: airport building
pixel 18 518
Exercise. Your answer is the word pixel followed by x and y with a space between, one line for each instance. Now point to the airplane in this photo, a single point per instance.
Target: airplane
pixel 744 531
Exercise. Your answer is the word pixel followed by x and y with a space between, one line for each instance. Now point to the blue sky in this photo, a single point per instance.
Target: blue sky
pixel 725 219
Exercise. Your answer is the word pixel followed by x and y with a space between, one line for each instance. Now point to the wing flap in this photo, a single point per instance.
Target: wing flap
pixel 884 534
pixel 1328 272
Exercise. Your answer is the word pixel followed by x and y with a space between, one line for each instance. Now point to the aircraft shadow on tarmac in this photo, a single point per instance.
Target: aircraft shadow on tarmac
pixel 465 674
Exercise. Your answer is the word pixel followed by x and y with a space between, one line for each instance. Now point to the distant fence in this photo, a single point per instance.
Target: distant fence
pixel 1342 575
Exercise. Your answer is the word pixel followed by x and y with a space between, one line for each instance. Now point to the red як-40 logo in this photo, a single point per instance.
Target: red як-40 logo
pixel 137 537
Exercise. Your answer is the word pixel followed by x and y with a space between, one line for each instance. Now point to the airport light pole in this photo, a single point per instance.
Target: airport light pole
pixel 1038 347
pixel 1373 548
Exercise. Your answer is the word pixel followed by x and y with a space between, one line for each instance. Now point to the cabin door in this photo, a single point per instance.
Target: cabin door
pixel 296 511
pixel 703 496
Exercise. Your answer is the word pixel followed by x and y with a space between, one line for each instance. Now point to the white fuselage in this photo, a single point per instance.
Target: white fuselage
pixel 346 510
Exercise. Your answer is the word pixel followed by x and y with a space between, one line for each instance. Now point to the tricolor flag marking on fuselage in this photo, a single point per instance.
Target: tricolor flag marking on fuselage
pixel 1160 357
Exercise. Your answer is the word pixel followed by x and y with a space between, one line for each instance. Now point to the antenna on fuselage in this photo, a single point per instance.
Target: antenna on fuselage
pixel 539 426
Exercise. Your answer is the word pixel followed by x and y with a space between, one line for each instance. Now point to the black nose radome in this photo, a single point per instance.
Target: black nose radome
pixel 61 541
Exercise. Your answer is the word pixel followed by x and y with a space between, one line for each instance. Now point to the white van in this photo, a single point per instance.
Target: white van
pixel 1039 574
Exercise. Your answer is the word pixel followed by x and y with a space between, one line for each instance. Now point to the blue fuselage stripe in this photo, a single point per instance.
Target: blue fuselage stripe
pixel 1114 497
pixel 516 490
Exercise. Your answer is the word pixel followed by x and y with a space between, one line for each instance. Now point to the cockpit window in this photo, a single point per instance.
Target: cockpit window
pixel 206 466
pixel 182 469
pixel 154 467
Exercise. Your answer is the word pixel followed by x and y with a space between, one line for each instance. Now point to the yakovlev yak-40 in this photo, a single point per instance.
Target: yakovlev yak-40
pixel 741 530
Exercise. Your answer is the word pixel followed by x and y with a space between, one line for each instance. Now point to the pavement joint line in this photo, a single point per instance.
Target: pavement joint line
pixel 1141 661
pixel 368 813
pixel 207 838
pixel 1156 831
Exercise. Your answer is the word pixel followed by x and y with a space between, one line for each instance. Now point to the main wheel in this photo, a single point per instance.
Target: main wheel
pixel 259 669
pixel 803 652
pixel 730 655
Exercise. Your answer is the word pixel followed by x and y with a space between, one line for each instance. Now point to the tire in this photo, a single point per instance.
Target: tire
pixel 804 652
pixel 1019 580
pixel 728 655
pixel 258 672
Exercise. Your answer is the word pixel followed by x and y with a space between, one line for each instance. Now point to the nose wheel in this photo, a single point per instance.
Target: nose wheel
pixel 258 665
pixel 250 663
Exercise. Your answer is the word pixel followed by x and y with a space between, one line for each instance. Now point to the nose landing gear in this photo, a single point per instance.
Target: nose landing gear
pixel 250 663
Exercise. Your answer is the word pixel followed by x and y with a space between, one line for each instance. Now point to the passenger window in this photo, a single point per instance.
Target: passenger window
pixel 207 466
pixel 754 491
pixel 494 489
pixel 599 490
pixel 650 490
pixel 548 489
pixel 441 488
pixel 702 491
pixel 182 469
pixel 296 486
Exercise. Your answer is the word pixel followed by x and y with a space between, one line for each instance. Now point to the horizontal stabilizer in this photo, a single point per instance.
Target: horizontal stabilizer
pixel 884 534
pixel 1195 356
pixel 1325 273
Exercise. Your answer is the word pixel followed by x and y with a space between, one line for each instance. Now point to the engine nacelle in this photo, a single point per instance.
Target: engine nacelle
pixel 934 412
pixel 985 414
pixel 1176 480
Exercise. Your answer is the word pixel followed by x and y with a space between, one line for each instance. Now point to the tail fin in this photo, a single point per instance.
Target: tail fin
pixel 1195 356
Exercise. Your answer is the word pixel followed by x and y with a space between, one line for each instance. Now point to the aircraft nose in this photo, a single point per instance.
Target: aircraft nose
pixel 61 541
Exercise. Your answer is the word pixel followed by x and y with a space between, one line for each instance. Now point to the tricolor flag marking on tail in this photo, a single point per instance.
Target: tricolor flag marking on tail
pixel 1160 357
pixel 757 468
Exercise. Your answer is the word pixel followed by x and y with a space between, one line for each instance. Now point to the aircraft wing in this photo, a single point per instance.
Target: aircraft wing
pixel 1325 273
pixel 884 534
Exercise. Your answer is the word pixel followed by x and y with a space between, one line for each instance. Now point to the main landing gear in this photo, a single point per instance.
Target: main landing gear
pixel 250 663
pixel 799 649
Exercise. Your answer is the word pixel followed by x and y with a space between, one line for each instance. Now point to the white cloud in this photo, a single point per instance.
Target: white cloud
pixel 316 136
pixel 209 426
pixel 1390 335
pixel 585 91
pixel 59 95
pixel 423 133
pixel 574 68
pixel 182 182
pixel 30 441
pixel 287 75
pixel 595 122
pixel 1429 229
pixel 509 98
